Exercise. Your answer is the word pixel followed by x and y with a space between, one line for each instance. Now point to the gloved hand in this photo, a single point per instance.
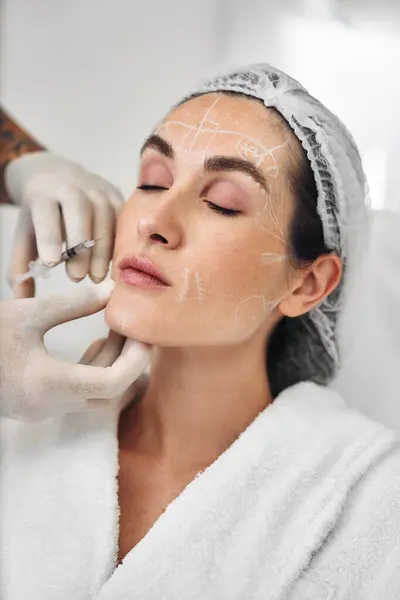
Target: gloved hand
pixel 42 184
pixel 35 385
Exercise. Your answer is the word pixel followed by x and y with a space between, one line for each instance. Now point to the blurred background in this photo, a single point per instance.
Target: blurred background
pixel 90 78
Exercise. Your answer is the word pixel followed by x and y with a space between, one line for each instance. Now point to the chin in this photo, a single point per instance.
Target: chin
pixel 148 319
pixel 141 321
pixel 124 322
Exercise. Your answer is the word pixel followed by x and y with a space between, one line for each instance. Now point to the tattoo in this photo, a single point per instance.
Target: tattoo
pixel 14 142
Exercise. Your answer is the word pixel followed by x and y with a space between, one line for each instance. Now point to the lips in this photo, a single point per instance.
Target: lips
pixel 137 270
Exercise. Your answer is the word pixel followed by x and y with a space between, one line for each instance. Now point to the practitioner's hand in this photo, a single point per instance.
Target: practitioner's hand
pixel 60 201
pixel 35 385
pixel 103 353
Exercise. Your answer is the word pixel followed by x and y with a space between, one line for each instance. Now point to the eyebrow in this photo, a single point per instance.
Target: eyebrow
pixel 158 143
pixel 229 163
pixel 213 164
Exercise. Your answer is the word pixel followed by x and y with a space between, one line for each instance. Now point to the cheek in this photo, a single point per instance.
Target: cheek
pixel 238 295
pixel 247 281
pixel 247 266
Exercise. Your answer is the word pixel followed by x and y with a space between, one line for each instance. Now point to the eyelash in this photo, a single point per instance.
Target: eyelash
pixel 227 212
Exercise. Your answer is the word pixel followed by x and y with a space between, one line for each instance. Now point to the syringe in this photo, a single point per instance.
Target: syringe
pixel 37 268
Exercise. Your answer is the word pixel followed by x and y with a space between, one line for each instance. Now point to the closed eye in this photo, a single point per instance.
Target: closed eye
pixel 228 212
pixel 151 188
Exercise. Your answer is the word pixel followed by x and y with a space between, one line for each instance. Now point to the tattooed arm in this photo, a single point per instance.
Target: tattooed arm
pixel 14 142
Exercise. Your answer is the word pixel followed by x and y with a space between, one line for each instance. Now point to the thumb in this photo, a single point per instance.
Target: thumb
pixel 96 381
pixel 109 351
pixel 130 364
pixel 87 300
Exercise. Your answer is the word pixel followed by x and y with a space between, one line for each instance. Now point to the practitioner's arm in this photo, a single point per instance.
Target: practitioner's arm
pixel 14 142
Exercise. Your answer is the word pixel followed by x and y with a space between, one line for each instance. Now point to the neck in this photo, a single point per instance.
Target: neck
pixel 197 402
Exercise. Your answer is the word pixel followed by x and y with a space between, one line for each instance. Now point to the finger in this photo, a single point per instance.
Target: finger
pixel 135 390
pixel 85 383
pixel 77 213
pixel 130 364
pixel 53 310
pixel 91 352
pixel 24 250
pixel 46 219
pixel 110 350
pixel 104 231
pixel 90 382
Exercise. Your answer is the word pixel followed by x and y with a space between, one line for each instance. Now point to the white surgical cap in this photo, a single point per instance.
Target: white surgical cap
pixel 311 351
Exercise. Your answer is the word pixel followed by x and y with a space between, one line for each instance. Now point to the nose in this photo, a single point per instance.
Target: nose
pixel 162 223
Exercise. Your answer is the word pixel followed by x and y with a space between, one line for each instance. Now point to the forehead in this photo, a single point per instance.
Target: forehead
pixel 228 125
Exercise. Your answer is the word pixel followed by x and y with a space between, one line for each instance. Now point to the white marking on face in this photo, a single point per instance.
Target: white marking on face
pixel 185 284
pixel 272 233
pixel 202 126
pixel 272 257
pixel 247 147
pixel 265 304
pixel 199 287
pixel 123 323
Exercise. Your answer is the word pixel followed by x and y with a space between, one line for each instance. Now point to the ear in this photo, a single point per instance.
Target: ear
pixel 313 285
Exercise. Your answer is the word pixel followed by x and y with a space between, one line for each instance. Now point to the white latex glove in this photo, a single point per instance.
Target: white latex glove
pixel 60 201
pixel 35 385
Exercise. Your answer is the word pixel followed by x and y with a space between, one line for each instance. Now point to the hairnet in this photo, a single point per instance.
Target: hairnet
pixel 311 349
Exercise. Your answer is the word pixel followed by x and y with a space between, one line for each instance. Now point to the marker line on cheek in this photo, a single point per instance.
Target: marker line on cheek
pixel 185 284
pixel 269 232
pixel 266 304
pixel 272 257
pixel 199 287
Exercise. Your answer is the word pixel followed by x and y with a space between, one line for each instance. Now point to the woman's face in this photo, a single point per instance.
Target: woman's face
pixel 211 212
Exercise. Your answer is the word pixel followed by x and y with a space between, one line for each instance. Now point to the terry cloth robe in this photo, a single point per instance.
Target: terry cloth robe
pixel 304 505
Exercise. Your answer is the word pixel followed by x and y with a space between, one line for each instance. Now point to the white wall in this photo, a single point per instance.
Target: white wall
pixel 354 72
pixel 90 78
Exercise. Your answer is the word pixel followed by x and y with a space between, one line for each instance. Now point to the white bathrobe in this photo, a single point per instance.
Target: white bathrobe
pixel 304 505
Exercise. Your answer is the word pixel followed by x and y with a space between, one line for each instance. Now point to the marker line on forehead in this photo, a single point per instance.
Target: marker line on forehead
pixel 204 119
pixel 244 136
pixel 214 163
pixel 246 147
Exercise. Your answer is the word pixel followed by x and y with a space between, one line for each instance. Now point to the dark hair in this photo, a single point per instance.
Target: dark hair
pixel 306 244
pixel 306 235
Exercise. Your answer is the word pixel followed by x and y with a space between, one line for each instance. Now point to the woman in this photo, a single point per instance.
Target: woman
pixel 233 472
